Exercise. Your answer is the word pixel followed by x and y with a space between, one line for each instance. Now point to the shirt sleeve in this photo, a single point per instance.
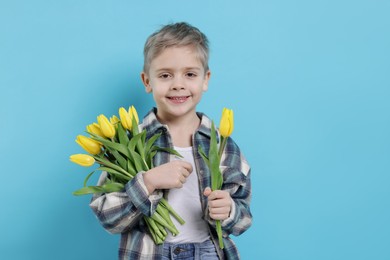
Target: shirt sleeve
pixel 119 211
pixel 240 218
pixel 232 213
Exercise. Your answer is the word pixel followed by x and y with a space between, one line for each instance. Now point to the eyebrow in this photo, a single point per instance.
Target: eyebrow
pixel 187 68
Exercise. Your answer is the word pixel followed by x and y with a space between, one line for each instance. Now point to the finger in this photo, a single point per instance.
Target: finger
pixel 219 203
pixel 207 191
pixel 218 194
pixel 219 216
pixel 185 172
pixel 187 166
pixel 221 210
pixel 182 179
pixel 179 182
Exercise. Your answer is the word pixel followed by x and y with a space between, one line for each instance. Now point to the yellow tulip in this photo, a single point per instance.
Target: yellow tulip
pixel 89 145
pixel 82 159
pixel 125 118
pixel 94 129
pixel 106 127
pixel 133 113
pixel 226 124
pixel 114 120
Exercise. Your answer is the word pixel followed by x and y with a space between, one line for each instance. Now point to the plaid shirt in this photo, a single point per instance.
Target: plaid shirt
pixel 122 212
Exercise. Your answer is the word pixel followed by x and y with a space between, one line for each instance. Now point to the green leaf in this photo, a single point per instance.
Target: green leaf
pixel 88 190
pixel 143 136
pixel 138 162
pixel 214 161
pixel 131 168
pixel 168 150
pixel 203 155
pixel 104 161
pixel 120 159
pixel 112 187
pixel 122 135
pixel 150 157
pixel 116 173
pixel 141 144
pixel 87 178
pixel 150 142
pixel 133 142
pixel 106 188
pixel 112 145
pixel 134 126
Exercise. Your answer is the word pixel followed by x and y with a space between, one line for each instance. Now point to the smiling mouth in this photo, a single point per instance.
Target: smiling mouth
pixel 178 99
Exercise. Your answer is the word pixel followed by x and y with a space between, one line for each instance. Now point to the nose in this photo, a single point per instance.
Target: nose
pixel 178 84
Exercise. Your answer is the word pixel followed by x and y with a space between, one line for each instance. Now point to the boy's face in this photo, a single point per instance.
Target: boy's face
pixel 177 80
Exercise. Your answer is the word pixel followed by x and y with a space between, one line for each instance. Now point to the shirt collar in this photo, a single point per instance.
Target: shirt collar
pixel 152 125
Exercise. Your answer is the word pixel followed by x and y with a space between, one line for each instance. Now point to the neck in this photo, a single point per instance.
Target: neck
pixel 182 129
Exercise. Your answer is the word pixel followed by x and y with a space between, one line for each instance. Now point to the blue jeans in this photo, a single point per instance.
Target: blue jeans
pixel 191 251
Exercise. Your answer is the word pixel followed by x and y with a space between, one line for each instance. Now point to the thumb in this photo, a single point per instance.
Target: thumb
pixel 207 191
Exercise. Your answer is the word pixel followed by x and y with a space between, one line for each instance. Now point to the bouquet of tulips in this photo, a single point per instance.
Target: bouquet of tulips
pixel 213 159
pixel 122 151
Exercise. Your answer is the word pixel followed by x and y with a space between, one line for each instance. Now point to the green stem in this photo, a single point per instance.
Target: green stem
pixel 157 217
pixel 155 230
pixel 222 146
pixel 219 233
pixel 165 215
pixel 164 202
pixel 162 229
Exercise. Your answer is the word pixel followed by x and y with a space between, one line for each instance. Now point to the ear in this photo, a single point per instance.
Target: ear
pixel 206 80
pixel 146 81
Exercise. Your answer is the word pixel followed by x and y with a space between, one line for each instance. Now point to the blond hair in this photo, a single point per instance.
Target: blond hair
pixel 176 35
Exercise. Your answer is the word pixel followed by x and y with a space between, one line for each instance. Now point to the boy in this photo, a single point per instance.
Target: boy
pixel 176 73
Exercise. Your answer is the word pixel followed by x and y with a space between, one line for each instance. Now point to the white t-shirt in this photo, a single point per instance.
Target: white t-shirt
pixel 186 202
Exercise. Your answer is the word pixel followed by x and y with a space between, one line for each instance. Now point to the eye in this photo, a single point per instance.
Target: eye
pixel 164 75
pixel 191 74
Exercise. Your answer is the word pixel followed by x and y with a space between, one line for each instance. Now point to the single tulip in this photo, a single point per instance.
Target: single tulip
pixel 106 127
pixel 226 124
pixel 133 113
pixel 88 144
pixel 95 129
pixel 125 118
pixel 114 120
pixel 82 159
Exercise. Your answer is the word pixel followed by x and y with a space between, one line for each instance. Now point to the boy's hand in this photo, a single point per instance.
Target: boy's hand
pixel 167 176
pixel 220 203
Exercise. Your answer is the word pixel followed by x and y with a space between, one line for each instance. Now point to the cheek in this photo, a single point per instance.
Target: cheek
pixel 157 92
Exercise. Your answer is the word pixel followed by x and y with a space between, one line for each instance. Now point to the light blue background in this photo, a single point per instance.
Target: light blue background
pixel 309 84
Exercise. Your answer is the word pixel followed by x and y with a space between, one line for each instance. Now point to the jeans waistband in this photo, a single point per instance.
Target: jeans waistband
pixel 187 250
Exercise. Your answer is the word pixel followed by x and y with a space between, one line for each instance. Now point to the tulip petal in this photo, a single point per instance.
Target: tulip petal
pixel 125 118
pixel 82 159
pixel 226 124
pixel 88 144
pixel 105 126
pixel 134 114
